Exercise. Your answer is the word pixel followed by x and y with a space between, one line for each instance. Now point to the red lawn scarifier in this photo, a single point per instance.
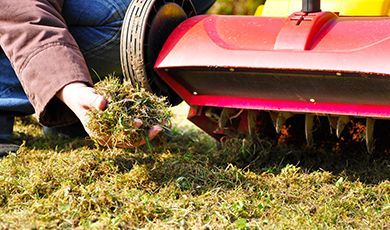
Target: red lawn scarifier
pixel 236 72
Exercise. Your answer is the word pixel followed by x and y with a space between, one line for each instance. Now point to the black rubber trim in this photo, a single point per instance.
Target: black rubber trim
pixel 346 88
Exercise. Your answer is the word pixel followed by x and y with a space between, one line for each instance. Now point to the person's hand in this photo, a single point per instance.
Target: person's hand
pixel 152 133
pixel 80 99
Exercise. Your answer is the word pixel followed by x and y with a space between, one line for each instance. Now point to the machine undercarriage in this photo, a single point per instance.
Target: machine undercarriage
pixel 263 76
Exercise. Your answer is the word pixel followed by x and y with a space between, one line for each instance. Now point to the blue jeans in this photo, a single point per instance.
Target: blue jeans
pixel 96 26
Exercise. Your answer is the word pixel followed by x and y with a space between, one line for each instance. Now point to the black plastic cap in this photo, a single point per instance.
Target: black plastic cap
pixel 311 6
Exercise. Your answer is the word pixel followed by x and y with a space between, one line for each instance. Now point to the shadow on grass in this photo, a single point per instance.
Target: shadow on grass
pixel 352 162
pixel 59 143
pixel 196 158
pixel 196 162
pixel 355 164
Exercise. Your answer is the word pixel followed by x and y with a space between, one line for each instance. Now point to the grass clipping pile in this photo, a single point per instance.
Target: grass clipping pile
pixel 115 125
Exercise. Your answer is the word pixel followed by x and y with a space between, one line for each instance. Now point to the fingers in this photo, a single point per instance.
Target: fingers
pixel 92 100
pixel 137 123
pixel 81 98
pixel 154 131
pixel 99 102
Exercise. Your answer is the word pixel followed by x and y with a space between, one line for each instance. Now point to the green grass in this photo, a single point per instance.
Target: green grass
pixel 115 125
pixel 188 182
pixel 247 7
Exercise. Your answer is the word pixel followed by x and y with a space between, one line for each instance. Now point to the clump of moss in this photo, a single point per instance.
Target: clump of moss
pixel 115 126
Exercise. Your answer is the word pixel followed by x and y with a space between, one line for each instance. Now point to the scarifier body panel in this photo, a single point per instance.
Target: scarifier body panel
pixel 315 62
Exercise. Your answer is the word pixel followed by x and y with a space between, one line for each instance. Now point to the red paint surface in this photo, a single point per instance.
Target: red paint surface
pixel 319 42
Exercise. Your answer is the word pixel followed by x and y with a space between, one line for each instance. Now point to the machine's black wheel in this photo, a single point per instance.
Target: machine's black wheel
pixel 146 27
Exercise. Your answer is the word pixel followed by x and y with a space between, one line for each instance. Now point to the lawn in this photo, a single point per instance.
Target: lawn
pixel 188 181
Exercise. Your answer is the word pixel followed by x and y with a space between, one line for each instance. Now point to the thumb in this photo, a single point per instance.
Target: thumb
pixel 94 101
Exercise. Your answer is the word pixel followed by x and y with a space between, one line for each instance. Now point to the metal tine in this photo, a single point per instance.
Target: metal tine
pixel 225 117
pixel 332 123
pixel 210 113
pixel 309 123
pixel 252 123
pixel 341 123
pixel 370 142
pixel 279 119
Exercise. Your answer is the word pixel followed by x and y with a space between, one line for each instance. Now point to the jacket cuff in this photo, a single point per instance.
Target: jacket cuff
pixel 45 73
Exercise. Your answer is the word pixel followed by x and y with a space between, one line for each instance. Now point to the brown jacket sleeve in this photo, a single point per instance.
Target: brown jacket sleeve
pixel 34 36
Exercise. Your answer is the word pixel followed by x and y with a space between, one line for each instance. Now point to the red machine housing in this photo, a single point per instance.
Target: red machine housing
pixel 316 63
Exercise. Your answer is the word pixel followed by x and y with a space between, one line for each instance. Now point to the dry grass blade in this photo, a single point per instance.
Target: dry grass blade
pixel 115 125
pixel 190 182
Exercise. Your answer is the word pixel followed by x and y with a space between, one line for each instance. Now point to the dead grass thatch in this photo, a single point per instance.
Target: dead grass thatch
pixel 115 125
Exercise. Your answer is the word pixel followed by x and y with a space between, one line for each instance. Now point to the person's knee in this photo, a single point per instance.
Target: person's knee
pixel 95 13
pixel 96 26
pixel 113 12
